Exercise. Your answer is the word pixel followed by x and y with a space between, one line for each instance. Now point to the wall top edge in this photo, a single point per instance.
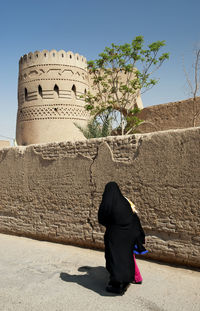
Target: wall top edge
pixel 21 149
pixel 182 101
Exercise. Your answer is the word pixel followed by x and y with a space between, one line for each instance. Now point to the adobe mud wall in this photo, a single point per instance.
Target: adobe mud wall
pixel 176 115
pixel 4 143
pixel 53 191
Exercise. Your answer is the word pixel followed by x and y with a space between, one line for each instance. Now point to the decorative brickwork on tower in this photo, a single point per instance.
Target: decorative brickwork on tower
pixel 50 86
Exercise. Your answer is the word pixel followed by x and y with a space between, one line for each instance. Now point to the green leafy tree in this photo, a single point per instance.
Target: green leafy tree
pixel 118 77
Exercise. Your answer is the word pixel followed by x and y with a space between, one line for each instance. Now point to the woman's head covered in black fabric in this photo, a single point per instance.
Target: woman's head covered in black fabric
pixel 114 208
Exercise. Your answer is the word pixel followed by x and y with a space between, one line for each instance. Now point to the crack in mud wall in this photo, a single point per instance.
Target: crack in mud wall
pixel 53 191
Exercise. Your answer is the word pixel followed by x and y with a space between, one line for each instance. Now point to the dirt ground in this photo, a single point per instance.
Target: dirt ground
pixel 37 275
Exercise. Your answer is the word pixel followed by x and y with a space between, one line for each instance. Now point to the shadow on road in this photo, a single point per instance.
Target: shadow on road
pixel 95 279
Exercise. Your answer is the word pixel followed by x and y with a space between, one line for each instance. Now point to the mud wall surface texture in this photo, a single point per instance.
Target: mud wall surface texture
pixel 176 115
pixel 53 191
pixel 4 143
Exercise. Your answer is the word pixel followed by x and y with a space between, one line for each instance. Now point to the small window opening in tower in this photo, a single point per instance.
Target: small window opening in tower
pixel 54 54
pixel 45 54
pixel 62 55
pixel 70 56
pixel 74 89
pixel 40 90
pixel 26 94
pixel 56 90
pixel 85 91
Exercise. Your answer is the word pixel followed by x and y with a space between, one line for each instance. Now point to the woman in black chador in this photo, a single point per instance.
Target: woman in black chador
pixel 123 234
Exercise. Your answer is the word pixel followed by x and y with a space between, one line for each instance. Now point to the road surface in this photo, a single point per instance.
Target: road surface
pixel 36 275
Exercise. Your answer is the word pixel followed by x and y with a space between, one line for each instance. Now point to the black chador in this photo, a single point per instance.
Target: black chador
pixel 123 233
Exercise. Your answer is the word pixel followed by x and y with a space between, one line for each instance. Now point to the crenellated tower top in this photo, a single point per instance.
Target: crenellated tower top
pixel 51 88
pixel 52 57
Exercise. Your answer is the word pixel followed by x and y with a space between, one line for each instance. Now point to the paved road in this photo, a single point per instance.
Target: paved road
pixel 41 276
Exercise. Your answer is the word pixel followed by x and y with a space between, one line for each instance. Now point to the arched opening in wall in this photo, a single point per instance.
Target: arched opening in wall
pixel 73 91
pixel 56 91
pixel 25 94
pixel 40 90
pixel 85 92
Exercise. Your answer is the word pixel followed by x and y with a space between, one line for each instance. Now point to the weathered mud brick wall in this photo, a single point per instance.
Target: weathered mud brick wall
pixel 53 191
pixel 175 115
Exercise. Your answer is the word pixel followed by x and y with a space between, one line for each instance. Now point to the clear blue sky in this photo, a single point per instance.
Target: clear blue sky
pixel 86 27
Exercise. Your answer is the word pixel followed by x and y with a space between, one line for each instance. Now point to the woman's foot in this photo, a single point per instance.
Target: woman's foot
pixel 134 282
pixel 117 288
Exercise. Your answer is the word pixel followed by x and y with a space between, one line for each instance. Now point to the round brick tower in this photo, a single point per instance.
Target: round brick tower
pixel 50 86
